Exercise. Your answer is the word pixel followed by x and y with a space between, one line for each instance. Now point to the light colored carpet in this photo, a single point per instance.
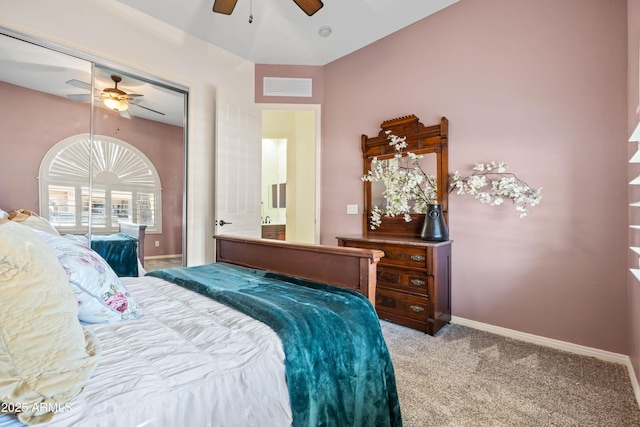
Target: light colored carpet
pixel 158 263
pixel 467 377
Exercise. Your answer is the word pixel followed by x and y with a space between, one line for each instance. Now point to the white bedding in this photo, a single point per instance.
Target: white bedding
pixel 190 361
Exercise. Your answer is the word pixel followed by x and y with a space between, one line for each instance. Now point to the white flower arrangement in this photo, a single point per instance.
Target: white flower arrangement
pixel 501 185
pixel 409 189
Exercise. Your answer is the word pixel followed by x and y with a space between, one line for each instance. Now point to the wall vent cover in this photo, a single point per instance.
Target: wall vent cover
pixel 286 86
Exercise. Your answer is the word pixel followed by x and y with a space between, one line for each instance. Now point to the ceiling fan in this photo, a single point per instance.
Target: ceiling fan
pixel 112 97
pixel 226 6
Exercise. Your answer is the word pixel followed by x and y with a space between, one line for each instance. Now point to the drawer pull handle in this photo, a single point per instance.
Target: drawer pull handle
pixel 417 257
pixel 417 282
pixel 417 308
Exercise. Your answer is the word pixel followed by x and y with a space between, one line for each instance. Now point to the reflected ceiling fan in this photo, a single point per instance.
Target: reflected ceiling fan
pixel 226 6
pixel 112 97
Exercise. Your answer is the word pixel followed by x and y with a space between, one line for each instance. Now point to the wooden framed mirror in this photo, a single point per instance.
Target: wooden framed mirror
pixel 429 141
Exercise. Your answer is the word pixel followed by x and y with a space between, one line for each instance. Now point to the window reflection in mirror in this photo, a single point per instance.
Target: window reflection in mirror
pixel 47 97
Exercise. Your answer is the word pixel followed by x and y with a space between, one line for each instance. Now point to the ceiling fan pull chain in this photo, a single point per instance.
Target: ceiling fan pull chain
pixel 250 11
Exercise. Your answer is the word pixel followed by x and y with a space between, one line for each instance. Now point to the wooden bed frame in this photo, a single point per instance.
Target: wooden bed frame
pixel 136 231
pixel 350 268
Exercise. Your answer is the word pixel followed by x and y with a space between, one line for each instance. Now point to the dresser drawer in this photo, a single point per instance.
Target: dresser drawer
pixel 400 255
pixel 400 304
pixel 406 256
pixel 410 281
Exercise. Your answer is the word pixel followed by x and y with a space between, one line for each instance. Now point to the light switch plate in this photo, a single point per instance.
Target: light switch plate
pixel 352 209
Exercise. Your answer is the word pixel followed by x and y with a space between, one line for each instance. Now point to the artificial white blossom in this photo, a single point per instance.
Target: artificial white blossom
pixel 491 183
pixel 409 189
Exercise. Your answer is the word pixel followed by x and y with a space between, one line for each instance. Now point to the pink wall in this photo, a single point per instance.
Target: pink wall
pixel 32 122
pixel 541 85
pixel 633 14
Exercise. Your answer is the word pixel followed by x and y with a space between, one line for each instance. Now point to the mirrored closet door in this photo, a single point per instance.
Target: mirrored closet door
pixel 60 110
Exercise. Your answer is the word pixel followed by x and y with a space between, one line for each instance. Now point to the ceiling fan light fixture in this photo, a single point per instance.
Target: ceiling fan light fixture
pixel 113 98
pixel 325 31
pixel 115 104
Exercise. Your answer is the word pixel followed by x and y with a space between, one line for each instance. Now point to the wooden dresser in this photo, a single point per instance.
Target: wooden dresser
pixel 413 280
pixel 414 276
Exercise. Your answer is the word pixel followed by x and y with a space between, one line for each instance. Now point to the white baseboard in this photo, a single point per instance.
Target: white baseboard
pixel 634 380
pixel 163 256
pixel 557 344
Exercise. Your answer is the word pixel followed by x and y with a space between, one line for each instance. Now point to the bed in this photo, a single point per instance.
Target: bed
pixel 185 358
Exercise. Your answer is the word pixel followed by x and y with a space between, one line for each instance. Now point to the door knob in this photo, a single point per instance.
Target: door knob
pixel 223 222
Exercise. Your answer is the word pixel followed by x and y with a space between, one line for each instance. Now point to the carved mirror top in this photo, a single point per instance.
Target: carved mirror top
pixel 420 139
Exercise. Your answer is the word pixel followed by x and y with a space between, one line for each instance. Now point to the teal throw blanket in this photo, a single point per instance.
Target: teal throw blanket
pixel 338 367
pixel 120 251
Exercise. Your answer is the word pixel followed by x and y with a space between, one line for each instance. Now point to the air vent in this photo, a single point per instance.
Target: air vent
pixel 283 86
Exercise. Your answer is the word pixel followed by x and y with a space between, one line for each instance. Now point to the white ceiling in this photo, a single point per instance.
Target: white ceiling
pixel 281 33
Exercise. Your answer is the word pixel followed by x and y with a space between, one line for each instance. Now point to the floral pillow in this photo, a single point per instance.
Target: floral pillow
pixel 102 298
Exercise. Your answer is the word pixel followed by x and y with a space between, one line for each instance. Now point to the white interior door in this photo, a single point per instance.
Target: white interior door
pixel 238 170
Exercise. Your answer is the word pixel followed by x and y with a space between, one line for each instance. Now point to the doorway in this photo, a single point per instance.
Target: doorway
pixel 297 129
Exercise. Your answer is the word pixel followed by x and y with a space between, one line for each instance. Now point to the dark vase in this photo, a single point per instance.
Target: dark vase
pixel 434 229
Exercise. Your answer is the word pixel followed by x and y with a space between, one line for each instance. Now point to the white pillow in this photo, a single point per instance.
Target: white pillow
pixel 33 220
pixel 46 357
pixel 3 215
pixel 102 298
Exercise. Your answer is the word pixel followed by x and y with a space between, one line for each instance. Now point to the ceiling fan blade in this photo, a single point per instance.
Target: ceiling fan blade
pixel 132 95
pixel 125 114
pixel 224 6
pixel 146 108
pixel 309 6
pixel 84 97
pixel 79 84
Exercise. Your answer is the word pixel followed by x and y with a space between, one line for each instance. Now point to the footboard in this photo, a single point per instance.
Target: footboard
pixel 349 268
pixel 136 231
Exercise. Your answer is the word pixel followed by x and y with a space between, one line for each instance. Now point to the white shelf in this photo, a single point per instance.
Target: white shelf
pixel 635 249
pixel 635 204
pixel 635 227
pixel 636 272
